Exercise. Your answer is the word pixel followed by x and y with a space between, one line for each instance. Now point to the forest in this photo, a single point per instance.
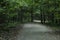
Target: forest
pixel 14 12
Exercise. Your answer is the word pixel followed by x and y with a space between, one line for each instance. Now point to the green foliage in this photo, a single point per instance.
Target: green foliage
pixel 51 8
pixel 8 13
pixel 12 11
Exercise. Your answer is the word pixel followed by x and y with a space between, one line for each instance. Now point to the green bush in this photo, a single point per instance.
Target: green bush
pixel 8 13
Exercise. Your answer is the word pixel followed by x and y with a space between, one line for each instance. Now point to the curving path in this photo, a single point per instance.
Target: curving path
pixel 37 32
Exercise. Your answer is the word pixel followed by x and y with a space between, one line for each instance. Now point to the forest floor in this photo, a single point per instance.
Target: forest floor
pixel 10 33
pixel 30 31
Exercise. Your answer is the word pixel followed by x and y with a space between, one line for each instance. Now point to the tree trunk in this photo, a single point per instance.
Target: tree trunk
pixel 41 18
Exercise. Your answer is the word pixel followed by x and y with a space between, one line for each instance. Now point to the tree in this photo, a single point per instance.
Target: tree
pixel 8 13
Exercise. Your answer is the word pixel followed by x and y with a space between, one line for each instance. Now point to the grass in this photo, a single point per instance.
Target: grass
pixel 54 26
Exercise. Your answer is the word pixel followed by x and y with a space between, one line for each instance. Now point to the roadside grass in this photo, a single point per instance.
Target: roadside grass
pixel 54 26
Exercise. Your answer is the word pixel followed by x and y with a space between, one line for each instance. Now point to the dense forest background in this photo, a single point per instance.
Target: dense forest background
pixel 13 12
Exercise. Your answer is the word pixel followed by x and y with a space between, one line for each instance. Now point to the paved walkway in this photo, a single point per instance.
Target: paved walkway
pixel 37 32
